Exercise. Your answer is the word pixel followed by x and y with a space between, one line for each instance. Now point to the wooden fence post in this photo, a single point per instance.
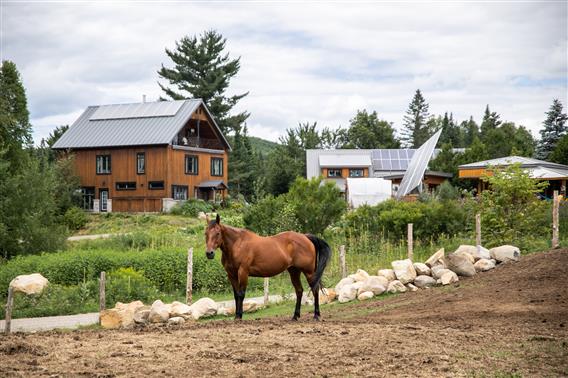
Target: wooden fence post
pixel 266 284
pixel 555 226
pixel 189 283
pixel 478 229
pixel 342 264
pixel 102 294
pixel 410 243
pixel 9 306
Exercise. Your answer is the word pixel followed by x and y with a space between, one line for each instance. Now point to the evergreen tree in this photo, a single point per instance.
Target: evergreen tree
pixel 242 165
pixel 555 128
pixel 15 130
pixel 415 131
pixel 367 131
pixel 560 153
pixel 470 131
pixel 203 70
pixel 490 122
pixel 451 132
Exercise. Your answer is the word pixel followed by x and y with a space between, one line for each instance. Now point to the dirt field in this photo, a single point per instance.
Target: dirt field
pixel 511 321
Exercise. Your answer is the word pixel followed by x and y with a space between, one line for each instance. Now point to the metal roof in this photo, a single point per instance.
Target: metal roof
pixel 427 173
pixel 508 160
pixel 417 166
pixel 328 161
pixel 119 125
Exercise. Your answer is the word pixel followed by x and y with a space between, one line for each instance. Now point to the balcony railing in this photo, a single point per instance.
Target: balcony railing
pixel 198 142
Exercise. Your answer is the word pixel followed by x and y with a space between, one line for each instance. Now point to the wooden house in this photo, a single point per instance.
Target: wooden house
pixel 146 157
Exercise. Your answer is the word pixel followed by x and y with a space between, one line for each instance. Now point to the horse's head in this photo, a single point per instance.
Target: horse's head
pixel 213 236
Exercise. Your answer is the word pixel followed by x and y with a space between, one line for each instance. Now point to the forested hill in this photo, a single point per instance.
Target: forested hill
pixel 258 144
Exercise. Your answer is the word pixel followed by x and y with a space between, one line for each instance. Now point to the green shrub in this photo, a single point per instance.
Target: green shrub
pixel 75 218
pixel 127 285
pixel 192 208
pixel 270 216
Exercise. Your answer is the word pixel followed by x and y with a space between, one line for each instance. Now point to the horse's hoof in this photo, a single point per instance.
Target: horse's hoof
pixel 317 318
pixel 294 318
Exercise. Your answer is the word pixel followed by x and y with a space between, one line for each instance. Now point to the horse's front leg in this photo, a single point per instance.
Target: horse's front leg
pixel 240 292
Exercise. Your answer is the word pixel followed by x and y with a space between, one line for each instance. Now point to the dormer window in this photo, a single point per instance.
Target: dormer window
pixel 334 172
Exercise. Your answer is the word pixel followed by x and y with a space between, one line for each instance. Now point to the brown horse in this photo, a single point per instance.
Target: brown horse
pixel 247 254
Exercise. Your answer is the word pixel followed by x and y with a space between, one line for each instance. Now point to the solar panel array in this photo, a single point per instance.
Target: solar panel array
pixel 391 159
pixel 417 166
pixel 141 110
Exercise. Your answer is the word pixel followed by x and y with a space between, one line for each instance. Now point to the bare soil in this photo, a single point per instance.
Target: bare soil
pixel 511 321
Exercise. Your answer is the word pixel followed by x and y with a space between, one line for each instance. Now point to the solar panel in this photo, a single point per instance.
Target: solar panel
pixel 417 166
pixel 141 110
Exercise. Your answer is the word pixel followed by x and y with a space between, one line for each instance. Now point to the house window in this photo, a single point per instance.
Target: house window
pixel 140 163
pixel 179 192
pixel 356 172
pixel 87 197
pixel 191 164
pixel 125 186
pixel 156 185
pixel 333 172
pixel 103 164
pixel 216 167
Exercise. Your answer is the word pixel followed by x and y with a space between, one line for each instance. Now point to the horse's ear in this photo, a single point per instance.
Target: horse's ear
pixel 218 219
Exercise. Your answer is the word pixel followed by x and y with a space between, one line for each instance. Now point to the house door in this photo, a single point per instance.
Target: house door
pixel 103 195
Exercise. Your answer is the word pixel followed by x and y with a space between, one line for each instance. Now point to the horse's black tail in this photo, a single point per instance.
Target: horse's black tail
pixel 323 254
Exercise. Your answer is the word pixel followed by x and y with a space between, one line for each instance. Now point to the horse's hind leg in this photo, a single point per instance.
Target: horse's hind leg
pixel 315 292
pixel 295 277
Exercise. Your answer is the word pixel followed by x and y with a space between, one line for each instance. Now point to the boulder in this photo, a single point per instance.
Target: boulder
pixel 387 273
pixel 159 312
pixel 343 282
pixel 347 293
pixel 477 253
pixel 374 284
pixel 404 270
pixel 432 260
pixel 424 281
pixel 176 320
pixel 204 307
pixel 359 276
pixel 484 265
pixel 460 264
pixel 422 269
pixel 365 295
pixel 327 296
pixel 141 315
pixel 180 309
pixel 505 253
pixel 448 278
pixel 225 311
pixel 466 255
pixel 28 284
pixel 438 271
pixel 411 287
pixel 122 315
pixel 396 287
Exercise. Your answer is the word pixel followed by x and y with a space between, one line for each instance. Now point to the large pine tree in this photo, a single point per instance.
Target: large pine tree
pixel 415 131
pixel 202 69
pixel 555 128
pixel 490 122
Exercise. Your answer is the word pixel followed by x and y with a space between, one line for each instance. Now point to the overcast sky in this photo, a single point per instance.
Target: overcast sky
pixel 318 62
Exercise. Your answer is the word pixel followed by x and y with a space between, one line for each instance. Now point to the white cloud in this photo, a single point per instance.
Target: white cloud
pixel 300 62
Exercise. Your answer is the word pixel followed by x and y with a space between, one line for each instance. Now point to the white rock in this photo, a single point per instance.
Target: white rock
pixel 438 271
pixel 448 278
pixel 224 311
pixel 365 295
pixel 387 273
pixel 505 253
pixel 435 257
pixel 141 315
pixel 203 307
pixel 404 270
pixel 159 312
pixel 327 296
pixel 396 287
pixel 33 283
pixel 359 276
pixel 201 215
pixel 483 265
pixel 422 269
pixel 179 309
pixel 424 281
pixel 374 284
pixel 477 253
pixel 411 287
pixel 176 320
pixel 122 315
pixel 343 282
pixel 347 293
pixel 461 264
pixel 465 255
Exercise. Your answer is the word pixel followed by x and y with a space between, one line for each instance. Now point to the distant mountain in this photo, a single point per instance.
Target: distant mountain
pixel 259 144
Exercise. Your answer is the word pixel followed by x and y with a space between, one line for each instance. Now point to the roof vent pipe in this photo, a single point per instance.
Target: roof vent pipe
pixel 143 98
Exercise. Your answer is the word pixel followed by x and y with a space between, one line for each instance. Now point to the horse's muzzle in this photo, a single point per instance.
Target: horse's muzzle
pixel 210 255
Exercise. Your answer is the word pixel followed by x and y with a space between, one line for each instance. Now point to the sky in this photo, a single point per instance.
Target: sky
pixel 300 62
